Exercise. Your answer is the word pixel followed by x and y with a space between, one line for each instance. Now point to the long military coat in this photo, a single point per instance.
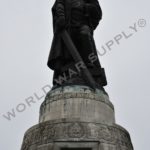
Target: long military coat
pixel 58 52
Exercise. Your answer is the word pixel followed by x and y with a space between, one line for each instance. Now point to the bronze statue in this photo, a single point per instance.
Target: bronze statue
pixel 79 18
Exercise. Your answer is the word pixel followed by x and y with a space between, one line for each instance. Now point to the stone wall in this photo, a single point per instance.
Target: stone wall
pixel 77 117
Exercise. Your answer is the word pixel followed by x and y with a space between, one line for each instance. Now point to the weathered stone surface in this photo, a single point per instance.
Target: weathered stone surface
pixel 77 102
pixel 68 131
pixel 77 117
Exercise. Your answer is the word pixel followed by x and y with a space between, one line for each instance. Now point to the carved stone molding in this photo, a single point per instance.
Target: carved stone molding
pixel 75 130
pixel 69 92
pixel 49 132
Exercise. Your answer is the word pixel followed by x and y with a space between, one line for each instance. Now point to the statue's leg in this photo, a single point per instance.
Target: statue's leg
pixel 83 39
pixel 87 45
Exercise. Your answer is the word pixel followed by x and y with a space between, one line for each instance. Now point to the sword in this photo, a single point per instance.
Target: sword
pixel 77 58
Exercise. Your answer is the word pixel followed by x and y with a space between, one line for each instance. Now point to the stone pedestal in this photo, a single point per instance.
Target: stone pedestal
pixel 75 118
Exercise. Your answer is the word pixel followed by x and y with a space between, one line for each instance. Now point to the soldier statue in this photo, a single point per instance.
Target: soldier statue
pixel 79 18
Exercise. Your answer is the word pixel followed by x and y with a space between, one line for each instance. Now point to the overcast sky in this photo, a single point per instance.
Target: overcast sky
pixel 25 40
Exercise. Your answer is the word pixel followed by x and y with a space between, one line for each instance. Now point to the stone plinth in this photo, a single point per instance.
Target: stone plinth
pixel 77 102
pixel 75 118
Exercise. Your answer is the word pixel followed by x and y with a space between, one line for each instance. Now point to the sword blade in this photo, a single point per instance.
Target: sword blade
pixel 77 58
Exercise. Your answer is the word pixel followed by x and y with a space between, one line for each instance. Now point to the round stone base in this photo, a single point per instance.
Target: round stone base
pixel 69 134
pixel 77 102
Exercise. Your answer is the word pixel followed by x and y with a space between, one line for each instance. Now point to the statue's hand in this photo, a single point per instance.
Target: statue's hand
pixel 60 23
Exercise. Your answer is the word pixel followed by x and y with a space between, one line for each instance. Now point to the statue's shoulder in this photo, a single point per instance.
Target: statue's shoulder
pixel 56 2
pixel 54 6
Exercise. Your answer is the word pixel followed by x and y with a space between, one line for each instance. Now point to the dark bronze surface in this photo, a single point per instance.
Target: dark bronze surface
pixel 79 18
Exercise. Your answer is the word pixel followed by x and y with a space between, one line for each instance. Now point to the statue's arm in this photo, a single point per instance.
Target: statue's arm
pixel 59 15
pixel 60 11
pixel 94 12
pixel 94 8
